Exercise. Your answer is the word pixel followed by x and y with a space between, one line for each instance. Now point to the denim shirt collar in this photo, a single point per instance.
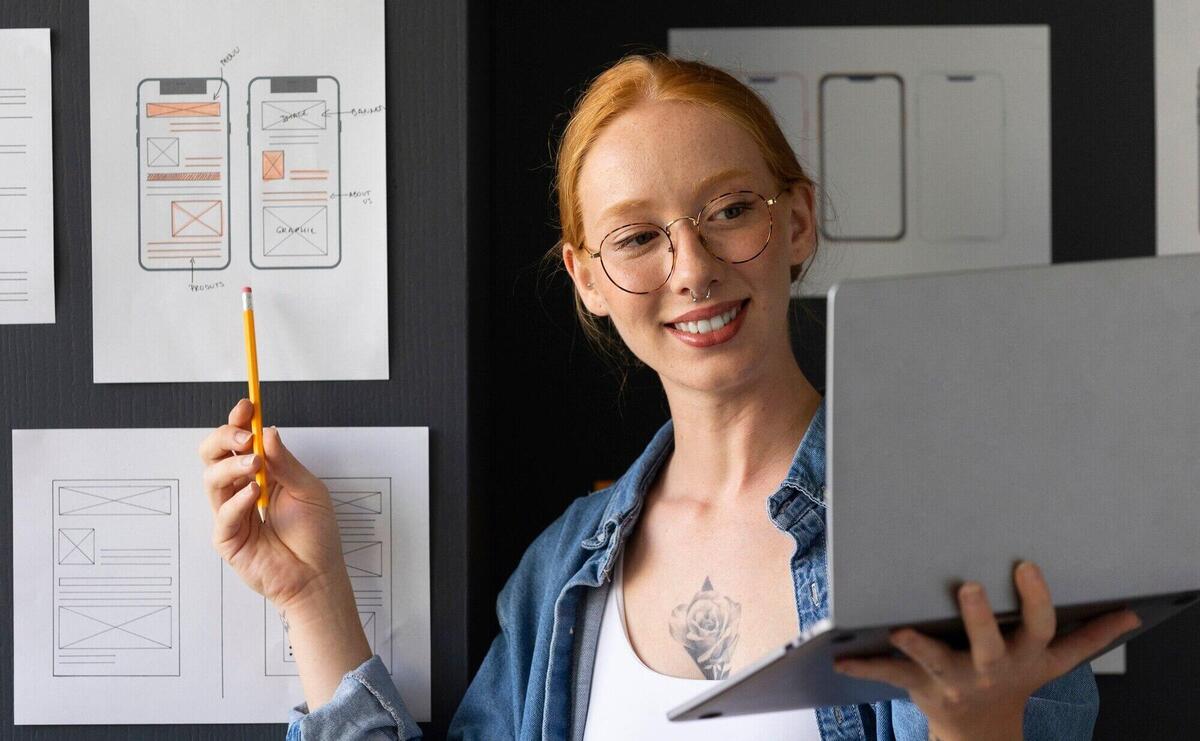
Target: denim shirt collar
pixel 801 490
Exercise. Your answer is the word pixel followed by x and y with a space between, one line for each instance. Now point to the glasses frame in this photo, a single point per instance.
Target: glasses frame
pixel 666 229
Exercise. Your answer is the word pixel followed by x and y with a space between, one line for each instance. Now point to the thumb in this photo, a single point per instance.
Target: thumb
pixel 286 469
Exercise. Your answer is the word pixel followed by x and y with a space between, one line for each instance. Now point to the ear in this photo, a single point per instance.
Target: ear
pixel 802 235
pixel 586 272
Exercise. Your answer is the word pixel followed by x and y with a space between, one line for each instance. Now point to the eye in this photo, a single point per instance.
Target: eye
pixel 636 241
pixel 731 211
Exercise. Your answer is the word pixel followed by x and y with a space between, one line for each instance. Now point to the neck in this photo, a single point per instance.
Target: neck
pixel 737 444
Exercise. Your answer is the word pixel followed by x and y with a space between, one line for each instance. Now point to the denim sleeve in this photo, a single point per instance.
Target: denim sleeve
pixel 1063 709
pixel 366 706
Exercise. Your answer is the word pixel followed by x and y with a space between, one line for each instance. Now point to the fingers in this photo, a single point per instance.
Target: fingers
pixel 223 440
pixel 285 469
pixel 987 645
pixel 935 657
pixel 226 475
pixel 1038 621
pixel 899 672
pixel 1088 639
pixel 232 521
pixel 241 414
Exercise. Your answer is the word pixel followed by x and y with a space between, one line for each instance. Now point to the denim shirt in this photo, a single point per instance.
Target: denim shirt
pixel 535 680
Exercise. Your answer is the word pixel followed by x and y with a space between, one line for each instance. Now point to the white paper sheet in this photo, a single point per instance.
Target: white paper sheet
pixel 26 178
pixel 238 144
pixel 1177 125
pixel 937 150
pixel 125 614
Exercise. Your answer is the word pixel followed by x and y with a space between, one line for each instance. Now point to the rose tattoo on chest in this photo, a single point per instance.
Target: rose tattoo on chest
pixel 708 629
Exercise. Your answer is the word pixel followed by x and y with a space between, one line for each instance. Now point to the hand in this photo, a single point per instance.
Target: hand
pixel 981 693
pixel 298 551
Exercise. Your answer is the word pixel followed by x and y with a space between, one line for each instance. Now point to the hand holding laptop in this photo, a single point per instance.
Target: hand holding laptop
pixel 981 693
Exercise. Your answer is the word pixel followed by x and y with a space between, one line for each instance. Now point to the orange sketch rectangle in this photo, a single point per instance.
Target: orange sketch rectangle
pixel 272 164
pixel 197 219
pixel 175 110
pixel 184 176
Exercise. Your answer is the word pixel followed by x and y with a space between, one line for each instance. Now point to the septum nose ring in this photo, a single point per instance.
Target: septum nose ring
pixel 695 298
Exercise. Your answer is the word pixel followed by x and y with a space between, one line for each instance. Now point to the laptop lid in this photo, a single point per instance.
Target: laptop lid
pixel 975 419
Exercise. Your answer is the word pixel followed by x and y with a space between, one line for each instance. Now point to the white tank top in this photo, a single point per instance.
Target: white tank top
pixel 629 700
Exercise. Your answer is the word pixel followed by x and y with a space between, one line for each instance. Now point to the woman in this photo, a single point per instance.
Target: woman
pixel 685 219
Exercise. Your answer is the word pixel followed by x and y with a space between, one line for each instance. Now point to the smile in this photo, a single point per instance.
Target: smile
pixel 704 326
pixel 709 326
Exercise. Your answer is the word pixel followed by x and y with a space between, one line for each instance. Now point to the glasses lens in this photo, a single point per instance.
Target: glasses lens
pixel 637 257
pixel 736 226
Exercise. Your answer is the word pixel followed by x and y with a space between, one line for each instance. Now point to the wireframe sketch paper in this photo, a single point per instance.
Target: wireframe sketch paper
pixel 124 613
pixel 26 178
pixel 930 145
pixel 256 156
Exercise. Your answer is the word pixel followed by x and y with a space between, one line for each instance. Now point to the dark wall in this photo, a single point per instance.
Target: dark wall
pixel 46 371
pixel 558 418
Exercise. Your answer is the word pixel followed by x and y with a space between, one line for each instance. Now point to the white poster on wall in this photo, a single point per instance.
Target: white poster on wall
pixel 930 145
pixel 1176 117
pixel 238 144
pixel 125 613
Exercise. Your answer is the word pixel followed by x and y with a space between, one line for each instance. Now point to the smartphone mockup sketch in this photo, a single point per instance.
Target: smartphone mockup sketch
pixel 960 156
pixel 295 172
pixel 862 156
pixel 183 173
pixel 785 93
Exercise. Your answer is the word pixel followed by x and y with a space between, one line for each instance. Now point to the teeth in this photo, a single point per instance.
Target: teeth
pixel 708 325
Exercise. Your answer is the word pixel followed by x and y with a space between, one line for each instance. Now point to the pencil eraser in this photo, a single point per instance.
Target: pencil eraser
pixel 246 289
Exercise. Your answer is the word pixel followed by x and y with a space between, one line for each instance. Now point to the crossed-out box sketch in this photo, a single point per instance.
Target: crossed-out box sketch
pixel 295 231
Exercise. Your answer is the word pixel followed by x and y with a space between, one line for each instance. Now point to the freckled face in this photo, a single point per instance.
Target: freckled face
pixel 663 160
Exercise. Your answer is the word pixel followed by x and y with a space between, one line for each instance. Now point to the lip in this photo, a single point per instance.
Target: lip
pixel 707 312
pixel 716 337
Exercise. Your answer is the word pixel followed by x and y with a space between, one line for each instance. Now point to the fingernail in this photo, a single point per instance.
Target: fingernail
pixel 248 460
pixel 970 591
pixel 241 436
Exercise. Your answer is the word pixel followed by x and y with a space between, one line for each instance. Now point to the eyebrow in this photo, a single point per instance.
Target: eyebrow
pixel 632 204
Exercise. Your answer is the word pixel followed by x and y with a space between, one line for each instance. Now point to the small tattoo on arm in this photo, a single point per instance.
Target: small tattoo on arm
pixel 708 629
pixel 283 617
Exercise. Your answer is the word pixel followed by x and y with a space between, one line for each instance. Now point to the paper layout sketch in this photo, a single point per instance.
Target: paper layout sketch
pixel 116 577
pixel 125 614
pixel 1177 125
pixel 295 192
pixel 183 174
pixel 26 178
pixel 258 160
pixel 917 137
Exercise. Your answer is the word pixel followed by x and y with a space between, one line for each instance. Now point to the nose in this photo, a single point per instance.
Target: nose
pixel 695 267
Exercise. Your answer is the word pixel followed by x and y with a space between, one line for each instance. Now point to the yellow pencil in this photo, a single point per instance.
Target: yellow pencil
pixel 256 422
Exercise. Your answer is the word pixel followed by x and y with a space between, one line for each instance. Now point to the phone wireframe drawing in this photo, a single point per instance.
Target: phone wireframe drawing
pixel 862 156
pixel 787 95
pixel 960 156
pixel 183 173
pixel 294 136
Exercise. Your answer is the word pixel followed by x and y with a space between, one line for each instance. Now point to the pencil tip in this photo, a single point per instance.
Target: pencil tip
pixel 262 513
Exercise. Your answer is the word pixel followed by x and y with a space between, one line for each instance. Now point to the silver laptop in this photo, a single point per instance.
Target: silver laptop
pixel 975 419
